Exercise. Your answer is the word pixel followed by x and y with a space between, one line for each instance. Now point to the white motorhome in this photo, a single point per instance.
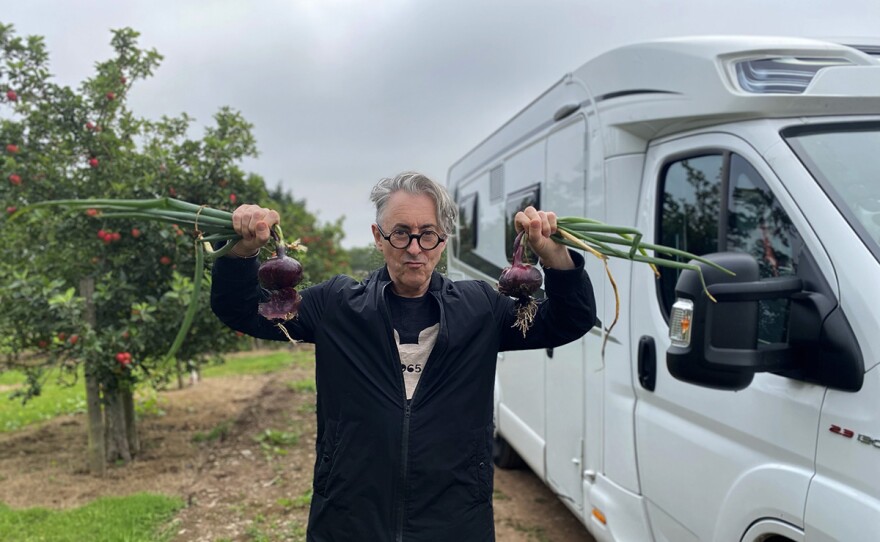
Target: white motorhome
pixel 760 420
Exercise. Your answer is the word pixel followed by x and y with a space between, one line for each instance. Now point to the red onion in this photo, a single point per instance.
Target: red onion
pixel 280 272
pixel 279 276
pixel 521 280
pixel 282 305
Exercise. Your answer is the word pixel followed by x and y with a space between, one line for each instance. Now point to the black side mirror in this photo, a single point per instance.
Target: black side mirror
pixel 723 351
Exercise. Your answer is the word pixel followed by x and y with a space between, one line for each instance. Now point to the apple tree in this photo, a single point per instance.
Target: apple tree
pixel 102 298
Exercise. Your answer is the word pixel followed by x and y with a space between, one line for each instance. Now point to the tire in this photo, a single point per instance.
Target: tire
pixel 504 456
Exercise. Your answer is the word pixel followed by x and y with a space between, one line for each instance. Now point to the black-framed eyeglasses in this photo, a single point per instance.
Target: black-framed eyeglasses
pixel 400 239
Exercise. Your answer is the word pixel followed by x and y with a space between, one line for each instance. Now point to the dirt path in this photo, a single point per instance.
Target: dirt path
pixel 239 451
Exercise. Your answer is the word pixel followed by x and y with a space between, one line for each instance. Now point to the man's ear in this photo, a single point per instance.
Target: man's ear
pixel 377 237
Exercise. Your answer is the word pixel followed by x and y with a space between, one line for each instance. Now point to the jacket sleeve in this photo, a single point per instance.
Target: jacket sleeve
pixel 236 294
pixel 566 314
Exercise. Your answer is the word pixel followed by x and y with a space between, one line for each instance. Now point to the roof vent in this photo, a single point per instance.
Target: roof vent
pixel 781 75
pixel 873 50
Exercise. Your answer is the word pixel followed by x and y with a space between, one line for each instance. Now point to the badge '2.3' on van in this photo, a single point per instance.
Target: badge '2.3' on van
pixel 756 418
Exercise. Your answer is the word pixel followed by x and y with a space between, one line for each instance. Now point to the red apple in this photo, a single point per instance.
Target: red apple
pixel 73 339
pixel 116 236
pixel 92 212
pixel 11 209
pixel 233 198
pixel 11 95
pixel 135 233
pixel 15 179
pixel 12 148
pixel 165 260
pixel 111 96
pixel 93 162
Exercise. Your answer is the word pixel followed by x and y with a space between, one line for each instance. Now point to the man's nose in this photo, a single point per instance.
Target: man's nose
pixel 414 247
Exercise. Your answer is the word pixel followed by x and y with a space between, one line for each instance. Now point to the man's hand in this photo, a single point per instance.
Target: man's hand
pixel 252 222
pixel 539 226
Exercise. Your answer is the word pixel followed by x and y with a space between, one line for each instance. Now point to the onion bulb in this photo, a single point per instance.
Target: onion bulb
pixel 521 281
pixel 280 272
pixel 279 276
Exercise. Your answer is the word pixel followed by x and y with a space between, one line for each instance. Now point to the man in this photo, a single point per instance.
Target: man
pixel 405 366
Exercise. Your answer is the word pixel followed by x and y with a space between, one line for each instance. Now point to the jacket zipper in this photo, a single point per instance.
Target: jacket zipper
pixel 407 411
pixel 404 451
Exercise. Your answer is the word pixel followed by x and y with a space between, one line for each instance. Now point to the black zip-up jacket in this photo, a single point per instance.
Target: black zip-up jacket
pixel 388 469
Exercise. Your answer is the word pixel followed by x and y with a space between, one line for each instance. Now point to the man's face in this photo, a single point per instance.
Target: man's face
pixel 410 268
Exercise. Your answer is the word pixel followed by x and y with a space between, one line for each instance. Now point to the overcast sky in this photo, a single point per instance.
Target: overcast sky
pixel 344 92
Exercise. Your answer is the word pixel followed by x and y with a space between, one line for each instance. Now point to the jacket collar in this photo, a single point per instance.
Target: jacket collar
pixel 383 278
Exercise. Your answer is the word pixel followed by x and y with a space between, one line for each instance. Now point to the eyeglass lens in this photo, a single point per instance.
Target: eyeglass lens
pixel 427 240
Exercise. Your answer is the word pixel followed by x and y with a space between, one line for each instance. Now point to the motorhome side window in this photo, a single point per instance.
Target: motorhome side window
pixel 516 202
pixel 689 207
pixel 719 202
pixel 466 241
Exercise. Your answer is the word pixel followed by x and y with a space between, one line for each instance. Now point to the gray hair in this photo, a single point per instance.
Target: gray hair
pixel 416 183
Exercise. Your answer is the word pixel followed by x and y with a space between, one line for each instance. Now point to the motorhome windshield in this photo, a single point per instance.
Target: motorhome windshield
pixel 844 159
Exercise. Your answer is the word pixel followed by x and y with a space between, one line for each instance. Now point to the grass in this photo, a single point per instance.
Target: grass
pixel 304 385
pixel 216 433
pixel 497 495
pixel 533 532
pixel 307 408
pixel 259 363
pixel 275 442
pixel 136 518
pixel 54 400
pixel 268 530
pixel 277 438
pixel 58 400
pixel 11 378
pixel 300 501
pixel 140 517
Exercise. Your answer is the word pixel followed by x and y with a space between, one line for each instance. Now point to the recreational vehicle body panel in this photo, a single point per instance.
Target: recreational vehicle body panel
pixel 764 147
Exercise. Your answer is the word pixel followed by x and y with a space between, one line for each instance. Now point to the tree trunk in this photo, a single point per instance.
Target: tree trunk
pixel 134 443
pixel 116 433
pixel 96 452
pixel 180 369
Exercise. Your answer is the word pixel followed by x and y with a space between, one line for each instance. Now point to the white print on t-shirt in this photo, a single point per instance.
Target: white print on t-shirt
pixel 413 357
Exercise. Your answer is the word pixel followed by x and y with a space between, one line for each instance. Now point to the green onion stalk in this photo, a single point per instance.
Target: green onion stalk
pixel 208 226
pixel 606 240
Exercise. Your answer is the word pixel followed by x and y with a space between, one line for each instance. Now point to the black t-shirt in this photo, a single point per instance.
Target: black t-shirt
pixel 411 315
pixel 416 322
